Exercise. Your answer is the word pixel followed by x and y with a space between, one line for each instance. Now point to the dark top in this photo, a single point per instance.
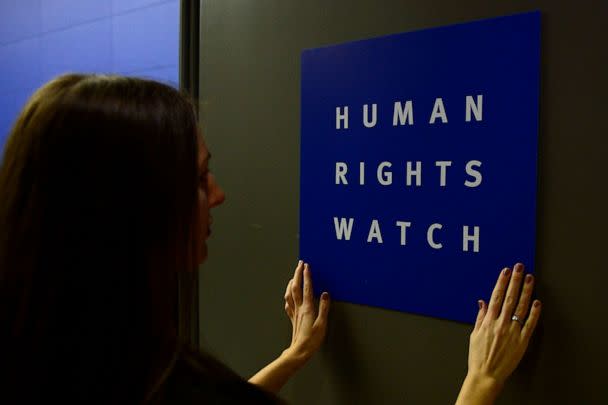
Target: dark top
pixel 197 378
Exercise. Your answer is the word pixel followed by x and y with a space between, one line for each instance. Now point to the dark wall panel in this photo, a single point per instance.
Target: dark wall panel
pixel 250 78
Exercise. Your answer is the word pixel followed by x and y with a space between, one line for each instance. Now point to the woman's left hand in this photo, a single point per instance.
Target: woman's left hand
pixel 308 331
pixel 308 324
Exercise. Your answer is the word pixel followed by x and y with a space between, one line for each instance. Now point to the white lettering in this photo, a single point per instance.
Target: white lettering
pixel 473 173
pixel 342 118
pixel 411 173
pixel 429 236
pixel 403 226
pixel 366 121
pixel 341 169
pixel 385 177
pixel 374 232
pixel 362 173
pixel 475 108
pixel 443 166
pixel 343 229
pixel 403 114
pixel 438 112
pixel 466 238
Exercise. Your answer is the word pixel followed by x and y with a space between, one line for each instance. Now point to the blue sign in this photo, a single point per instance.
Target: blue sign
pixel 418 164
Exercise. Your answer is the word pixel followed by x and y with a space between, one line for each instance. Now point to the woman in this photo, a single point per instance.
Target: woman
pixel 105 195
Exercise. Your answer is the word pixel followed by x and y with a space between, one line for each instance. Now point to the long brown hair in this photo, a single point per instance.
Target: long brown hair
pixel 98 186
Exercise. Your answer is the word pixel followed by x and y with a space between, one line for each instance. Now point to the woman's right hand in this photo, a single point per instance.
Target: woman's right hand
pixel 498 341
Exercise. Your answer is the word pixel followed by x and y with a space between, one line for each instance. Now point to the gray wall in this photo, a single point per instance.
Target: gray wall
pixel 250 75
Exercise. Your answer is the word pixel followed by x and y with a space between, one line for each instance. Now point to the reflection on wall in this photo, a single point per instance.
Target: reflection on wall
pixel 40 39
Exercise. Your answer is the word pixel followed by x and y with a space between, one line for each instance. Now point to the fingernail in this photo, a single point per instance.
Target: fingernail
pixel 300 263
pixel 519 268
pixel 507 272
pixel 529 278
pixel 480 303
pixel 325 296
pixel 536 304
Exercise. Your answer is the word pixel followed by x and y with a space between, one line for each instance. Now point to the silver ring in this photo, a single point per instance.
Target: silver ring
pixel 516 319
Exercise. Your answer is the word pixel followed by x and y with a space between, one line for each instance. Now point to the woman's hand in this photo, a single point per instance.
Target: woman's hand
pixel 500 337
pixel 308 325
pixel 308 331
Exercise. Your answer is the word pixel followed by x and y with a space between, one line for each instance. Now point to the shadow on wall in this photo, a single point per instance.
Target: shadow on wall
pixel 343 371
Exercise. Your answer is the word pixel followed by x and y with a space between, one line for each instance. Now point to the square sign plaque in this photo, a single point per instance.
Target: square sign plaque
pixel 418 164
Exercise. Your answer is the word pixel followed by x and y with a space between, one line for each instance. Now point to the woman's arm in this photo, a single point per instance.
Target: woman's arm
pixel 274 376
pixel 308 331
pixel 500 337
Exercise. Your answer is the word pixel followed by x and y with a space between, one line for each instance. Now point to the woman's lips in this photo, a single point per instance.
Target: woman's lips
pixel 210 222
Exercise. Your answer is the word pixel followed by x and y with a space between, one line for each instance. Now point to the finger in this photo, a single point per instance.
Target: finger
pixel 298 267
pixel 530 324
pixel 290 301
pixel 526 296
pixel 289 310
pixel 512 295
pixel 323 310
pixel 499 293
pixel 289 304
pixel 308 291
pixel 481 314
pixel 288 290
pixel 296 286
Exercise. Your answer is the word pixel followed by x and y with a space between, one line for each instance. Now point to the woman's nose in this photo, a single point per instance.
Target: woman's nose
pixel 216 193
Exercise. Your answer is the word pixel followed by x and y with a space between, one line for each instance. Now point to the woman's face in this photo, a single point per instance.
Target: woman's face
pixel 210 195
